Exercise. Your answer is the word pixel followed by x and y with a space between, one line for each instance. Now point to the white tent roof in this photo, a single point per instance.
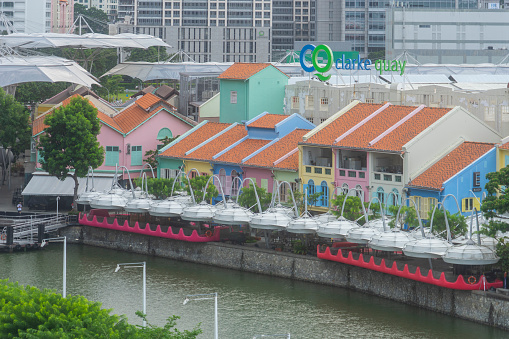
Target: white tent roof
pixel 91 40
pixel 44 184
pixel 18 69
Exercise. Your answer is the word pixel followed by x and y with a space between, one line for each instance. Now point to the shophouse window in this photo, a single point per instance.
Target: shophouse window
pixel 112 155
pixel 136 156
pixel 233 97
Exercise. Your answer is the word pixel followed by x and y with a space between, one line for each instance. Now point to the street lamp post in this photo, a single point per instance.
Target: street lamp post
pixel 144 265
pixel 64 274
pixel 58 198
pixel 206 297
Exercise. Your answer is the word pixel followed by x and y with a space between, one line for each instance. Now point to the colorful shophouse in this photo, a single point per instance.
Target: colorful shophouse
pixel 250 88
pixel 461 172
pixel 128 134
pixel 377 149
pixel 263 149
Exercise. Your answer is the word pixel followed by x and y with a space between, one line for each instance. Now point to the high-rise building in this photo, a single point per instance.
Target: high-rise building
pixel 26 16
pixel 110 7
pixel 62 15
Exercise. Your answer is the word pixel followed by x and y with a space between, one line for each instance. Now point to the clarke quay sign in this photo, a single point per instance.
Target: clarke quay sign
pixel 344 63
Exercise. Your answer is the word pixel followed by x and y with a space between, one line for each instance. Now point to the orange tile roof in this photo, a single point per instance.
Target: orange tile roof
pixel 194 139
pixel 268 156
pixel 292 162
pixel 38 125
pixel 242 150
pixel 449 165
pixel 362 136
pixel 504 146
pixel 148 100
pixel 268 121
pixel 244 70
pixel 337 127
pixel 206 152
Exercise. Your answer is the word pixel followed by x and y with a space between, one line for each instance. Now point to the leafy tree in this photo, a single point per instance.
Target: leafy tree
pixel 353 207
pixel 70 142
pixel 151 155
pixel 96 18
pixel 503 254
pixel 247 198
pixel 198 184
pixel 457 223
pixel 494 227
pixel 33 92
pixel 110 87
pixel 15 129
pixel 27 312
pixel 151 54
pixel 407 216
pixel 497 200
pixel 158 187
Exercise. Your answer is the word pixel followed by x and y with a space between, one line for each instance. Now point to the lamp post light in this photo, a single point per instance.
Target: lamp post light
pixel 58 198
pixel 206 297
pixel 64 274
pixel 144 265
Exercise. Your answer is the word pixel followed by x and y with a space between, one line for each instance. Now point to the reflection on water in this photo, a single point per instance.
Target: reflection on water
pixel 249 304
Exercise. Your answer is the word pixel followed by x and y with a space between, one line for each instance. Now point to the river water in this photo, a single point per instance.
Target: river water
pixel 249 304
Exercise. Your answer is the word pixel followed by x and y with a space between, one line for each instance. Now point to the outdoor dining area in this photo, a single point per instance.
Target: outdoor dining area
pixel 378 241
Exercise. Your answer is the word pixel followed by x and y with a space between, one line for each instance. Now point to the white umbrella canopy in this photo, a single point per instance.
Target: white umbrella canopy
pixel 91 40
pixel 20 69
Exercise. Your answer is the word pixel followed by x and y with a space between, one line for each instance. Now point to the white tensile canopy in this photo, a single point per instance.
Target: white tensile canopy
pixel 91 40
pixel 15 69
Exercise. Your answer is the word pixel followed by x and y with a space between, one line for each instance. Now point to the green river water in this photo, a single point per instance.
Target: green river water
pixel 249 304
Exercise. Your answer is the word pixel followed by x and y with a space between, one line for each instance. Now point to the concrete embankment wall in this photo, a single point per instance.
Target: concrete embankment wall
pixel 483 307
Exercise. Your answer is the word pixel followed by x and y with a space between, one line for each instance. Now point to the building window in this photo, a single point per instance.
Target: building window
pixel 222 179
pixel 380 194
pixel 468 204
pixel 345 189
pixel 164 133
pixel 265 184
pixel 235 183
pixel 310 102
pixel 112 156
pixel 322 120
pixel 295 102
pixel 325 194
pixel 310 120
pixel 168 173
pixel 424 205
pixel 324 104
pixel 359 192
pixel 477 179
pixel 233 97
pixel 136 156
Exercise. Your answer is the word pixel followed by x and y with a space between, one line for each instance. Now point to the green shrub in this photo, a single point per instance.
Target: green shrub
pixel 27 312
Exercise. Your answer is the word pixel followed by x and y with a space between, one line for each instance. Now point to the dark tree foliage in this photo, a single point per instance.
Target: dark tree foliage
pixel 36 92
pixel 96 18
pixel 15 128
pixel 247 198
pixel 151 54
pixel 497 200
pixel 69 144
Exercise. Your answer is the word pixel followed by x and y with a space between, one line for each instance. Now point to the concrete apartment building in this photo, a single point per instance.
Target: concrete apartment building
pixel 448 37
pixel 110 7
pixel 27 16
pixel 317 101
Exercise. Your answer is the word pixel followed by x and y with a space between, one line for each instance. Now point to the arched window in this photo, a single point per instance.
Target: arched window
pixel 394 198
pixel 359 192
pixel 380 194
pixel 311 191
pixel 222 178
pixel 235 183
pixel 345 189
pixel 325 194
pixel 164 133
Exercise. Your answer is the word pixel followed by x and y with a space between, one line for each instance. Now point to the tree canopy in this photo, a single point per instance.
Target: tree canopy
pixel 151 54
pixel 497 200
pixel 97 19
pixel 15 129
pixel 69 145
pixel 27 312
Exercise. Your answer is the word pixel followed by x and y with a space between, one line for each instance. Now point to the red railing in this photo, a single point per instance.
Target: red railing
pixel 459 284
pixel 194 237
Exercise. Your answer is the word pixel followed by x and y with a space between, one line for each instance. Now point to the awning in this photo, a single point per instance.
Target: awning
pixel 44 184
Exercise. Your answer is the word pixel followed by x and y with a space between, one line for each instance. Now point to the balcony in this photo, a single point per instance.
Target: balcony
pixel 388 177
pixel 351 173
pixel 318 170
